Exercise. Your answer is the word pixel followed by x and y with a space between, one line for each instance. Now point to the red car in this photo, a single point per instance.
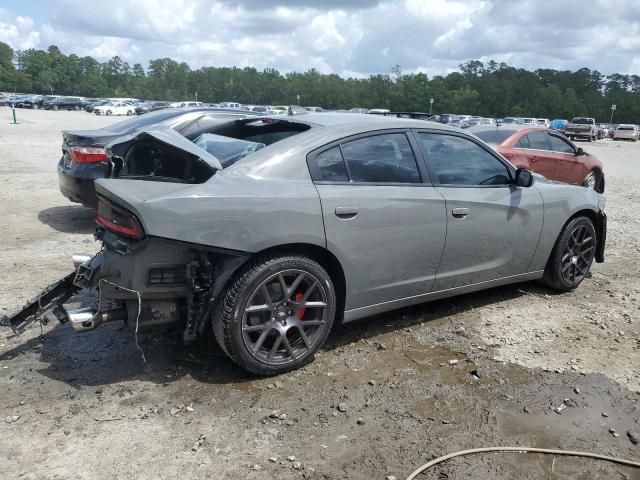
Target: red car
pixel 546 152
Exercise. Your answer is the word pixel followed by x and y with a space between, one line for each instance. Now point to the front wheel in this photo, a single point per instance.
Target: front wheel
pixel 108 112
pixel 592 181
pixel 572 255
pixel 276 314
pixel 35 106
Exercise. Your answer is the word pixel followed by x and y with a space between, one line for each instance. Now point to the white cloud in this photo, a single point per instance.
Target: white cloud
pixel 355 37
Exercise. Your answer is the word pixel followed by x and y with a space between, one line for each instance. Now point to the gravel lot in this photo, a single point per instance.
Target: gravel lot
pixel 484 369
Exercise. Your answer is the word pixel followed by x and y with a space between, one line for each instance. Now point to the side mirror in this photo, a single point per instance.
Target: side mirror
pixel 579 152
pixel 524 178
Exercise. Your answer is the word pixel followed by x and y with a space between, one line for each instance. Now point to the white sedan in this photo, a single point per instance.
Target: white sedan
pixel 115 108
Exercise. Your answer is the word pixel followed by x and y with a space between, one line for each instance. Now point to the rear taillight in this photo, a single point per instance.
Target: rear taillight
pixel 88 154
pixel 118 220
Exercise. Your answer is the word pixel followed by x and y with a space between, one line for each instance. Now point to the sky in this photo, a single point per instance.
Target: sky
pixel 347 37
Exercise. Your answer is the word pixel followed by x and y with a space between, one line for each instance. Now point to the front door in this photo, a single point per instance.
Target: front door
pixel 493 226
pixel 569 169
pixel 383 221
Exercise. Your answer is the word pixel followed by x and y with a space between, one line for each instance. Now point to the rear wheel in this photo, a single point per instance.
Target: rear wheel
pixel 572 255
pixel 35 106
pixel 108 112
pixel 129 113
pixel 276 314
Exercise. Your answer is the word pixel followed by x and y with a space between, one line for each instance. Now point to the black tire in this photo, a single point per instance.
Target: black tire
pixel 572 255
pixel 235 329
pixel 129 113
pixel 108 112
pixel 76 108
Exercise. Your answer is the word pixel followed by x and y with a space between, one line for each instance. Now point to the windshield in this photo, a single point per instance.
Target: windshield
pixel 582 121
pixel 626 127
pixel 495 135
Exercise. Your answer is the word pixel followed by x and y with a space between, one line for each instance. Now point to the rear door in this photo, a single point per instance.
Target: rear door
pixel 493 226
pixel 569 168
pixel 383 219
pixel 541 159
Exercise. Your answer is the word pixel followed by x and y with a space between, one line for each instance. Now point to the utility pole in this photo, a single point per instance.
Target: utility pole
pixel 196 96
pixel 613 109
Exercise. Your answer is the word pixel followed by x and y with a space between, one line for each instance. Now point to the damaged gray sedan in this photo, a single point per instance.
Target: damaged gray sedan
pixel 269 231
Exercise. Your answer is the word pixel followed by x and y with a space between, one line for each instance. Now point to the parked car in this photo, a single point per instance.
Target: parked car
pixel 543 122
pixel 559 124
pixel 115 108
pixel 582 127
pixel 511 121
pixel 546 152
pixel 147 107
pixel 89 106
pixel 373 111
pixel 626 132
pixel 320 109
pixel 447 118
pixel 259 109
pixel 529 122
pixel 84 158
pixel 63 103
pixel 230 105
pixel 273 248
pixel 358 110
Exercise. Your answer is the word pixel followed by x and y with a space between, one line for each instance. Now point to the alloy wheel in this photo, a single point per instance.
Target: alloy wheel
pixel 285 317
pixel 577 255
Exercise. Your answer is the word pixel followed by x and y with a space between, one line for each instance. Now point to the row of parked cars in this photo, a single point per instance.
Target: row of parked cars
pixel 129 106
pixel 268 229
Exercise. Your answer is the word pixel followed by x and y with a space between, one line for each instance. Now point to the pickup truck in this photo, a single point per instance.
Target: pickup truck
pixel 582 127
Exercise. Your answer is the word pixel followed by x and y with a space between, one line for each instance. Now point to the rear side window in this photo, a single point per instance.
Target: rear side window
pixel 524 142
pixel 331 166
pixel 538 141
pixel 384 158
pixel 459 161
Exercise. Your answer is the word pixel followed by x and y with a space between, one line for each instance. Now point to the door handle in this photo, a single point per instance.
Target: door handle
pixel 346 213
pixel 460 212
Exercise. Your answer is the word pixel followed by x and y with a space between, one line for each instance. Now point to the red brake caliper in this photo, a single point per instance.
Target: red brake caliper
pixel 299 297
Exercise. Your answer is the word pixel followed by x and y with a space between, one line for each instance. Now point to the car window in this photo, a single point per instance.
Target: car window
pixel 384 158
pixel 560 145
pixel 459 161
pixel 331 166
pixel 538 141
pixel 524 142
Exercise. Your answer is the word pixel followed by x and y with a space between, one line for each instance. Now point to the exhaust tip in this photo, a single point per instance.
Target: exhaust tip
pixel 83 319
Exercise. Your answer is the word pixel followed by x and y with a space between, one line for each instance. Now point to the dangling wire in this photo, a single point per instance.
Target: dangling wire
pixel 144 360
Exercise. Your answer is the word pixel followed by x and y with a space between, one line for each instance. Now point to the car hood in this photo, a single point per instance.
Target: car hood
pixel 163 135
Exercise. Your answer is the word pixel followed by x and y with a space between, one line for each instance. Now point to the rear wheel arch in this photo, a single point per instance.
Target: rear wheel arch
pixel 322 256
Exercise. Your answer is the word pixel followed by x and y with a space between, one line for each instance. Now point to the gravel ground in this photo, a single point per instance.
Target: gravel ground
pixel 385 395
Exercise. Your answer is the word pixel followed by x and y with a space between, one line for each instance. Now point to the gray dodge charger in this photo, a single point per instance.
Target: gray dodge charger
pixel 269 231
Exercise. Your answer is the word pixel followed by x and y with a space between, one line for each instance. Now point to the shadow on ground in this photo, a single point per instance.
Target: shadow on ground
pixel 109 354
pixel 69 219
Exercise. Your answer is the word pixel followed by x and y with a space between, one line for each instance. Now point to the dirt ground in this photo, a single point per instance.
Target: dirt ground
pixel 487 369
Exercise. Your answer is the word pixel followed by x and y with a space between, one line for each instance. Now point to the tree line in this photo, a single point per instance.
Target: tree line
pixel 492 89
